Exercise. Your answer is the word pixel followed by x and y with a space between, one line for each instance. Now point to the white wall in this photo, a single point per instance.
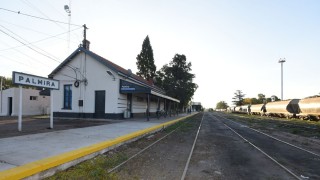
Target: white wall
pixel 29 107
pixel 98 79
pixel 122 103
pixel 141 106
pixel 4 101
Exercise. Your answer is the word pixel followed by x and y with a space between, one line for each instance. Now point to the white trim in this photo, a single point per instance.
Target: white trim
pixel 164 96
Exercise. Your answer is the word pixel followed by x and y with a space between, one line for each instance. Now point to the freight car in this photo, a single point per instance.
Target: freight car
pixel 287 108
pixel 309 108
pixel 258 109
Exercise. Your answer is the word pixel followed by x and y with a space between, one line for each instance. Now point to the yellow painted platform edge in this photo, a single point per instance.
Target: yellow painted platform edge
pixel 38 166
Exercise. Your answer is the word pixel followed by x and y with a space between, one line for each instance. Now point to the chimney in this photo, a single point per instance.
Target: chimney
pixel 86 44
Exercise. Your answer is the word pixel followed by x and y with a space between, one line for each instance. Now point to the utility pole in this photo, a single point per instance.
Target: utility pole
pixel 282 61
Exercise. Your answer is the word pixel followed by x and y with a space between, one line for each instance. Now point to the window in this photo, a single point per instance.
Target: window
pixel 67 96
pixel 33 98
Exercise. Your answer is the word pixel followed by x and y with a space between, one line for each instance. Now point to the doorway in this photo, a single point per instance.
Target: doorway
pixel 100 104
pixel 10 106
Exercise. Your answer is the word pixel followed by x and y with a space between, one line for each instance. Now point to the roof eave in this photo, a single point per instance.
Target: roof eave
pixel 67 60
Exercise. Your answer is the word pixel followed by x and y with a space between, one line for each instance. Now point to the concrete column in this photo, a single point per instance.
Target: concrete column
pixel 51 109
pixel 20 109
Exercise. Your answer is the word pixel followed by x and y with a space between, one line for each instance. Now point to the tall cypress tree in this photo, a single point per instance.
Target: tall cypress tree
pixel 238 98
pixel 145 61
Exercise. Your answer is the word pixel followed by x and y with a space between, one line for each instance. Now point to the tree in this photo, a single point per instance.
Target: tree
pixel 176 79
pixel 247 101
pixel 261 97
pixel 222 105
pixel 273 98
pixel 238 98
pixel 255 101
pixel 6 83
pixel 145 61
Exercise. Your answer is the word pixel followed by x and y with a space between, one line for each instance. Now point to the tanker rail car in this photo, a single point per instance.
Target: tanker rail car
pixel 287 108
pixel 308 108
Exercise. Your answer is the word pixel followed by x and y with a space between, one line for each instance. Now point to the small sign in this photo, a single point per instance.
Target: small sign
pixel 32 80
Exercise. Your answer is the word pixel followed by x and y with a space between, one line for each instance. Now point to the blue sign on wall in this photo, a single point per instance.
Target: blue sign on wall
pixel 128 87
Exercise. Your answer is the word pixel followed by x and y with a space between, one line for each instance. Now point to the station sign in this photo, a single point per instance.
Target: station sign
pixel 32 80
pixel 128 87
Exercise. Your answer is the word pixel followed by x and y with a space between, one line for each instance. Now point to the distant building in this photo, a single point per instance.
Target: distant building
pixel 94 87
pixel 32 102
pixel 196 106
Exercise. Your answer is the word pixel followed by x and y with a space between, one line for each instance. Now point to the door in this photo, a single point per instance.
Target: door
pixel 100 104
pixel 10 105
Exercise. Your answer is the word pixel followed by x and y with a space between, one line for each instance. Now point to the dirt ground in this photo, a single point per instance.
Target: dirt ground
pixel 41 124
pixel 302 133
pixel 218 154
pixel 164 160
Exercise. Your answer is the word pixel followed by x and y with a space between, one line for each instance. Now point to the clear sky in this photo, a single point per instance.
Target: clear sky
pixel 232 44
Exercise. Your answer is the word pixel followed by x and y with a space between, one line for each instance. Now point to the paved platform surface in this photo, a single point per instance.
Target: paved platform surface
pixel 19 150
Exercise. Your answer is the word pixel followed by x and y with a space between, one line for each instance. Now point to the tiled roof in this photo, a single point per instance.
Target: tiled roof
pixel 106 62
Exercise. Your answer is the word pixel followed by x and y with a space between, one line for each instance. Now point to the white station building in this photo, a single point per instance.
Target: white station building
pixel 94 87
pixel 32 102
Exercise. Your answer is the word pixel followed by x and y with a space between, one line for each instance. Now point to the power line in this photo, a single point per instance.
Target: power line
pixel 15 60
pixel 51 6
pixel 28 56
pixel 62 15
pixel 33 30
pixel 28 45
pixel 19 12
pixel 23 27
pixel 55 36
pixel 69 21
pixel 50 56
pixel 35 8
pixel 67 65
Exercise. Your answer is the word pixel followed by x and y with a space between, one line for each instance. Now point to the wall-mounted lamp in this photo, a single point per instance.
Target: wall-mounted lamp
pixel 110 74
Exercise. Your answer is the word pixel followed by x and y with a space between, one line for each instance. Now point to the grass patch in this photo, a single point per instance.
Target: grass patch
pixel 173 127
pixel 95 168
pixel 185 124
pixel 41 117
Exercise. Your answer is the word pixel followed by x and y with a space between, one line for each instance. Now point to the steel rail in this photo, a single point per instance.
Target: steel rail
pixel 256 147
pixel 295 146
pixel 135 155
pixel 191 152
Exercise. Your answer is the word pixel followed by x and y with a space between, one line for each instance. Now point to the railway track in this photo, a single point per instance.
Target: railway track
pixel 280 158
pixel 219 148
pixel 183 167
